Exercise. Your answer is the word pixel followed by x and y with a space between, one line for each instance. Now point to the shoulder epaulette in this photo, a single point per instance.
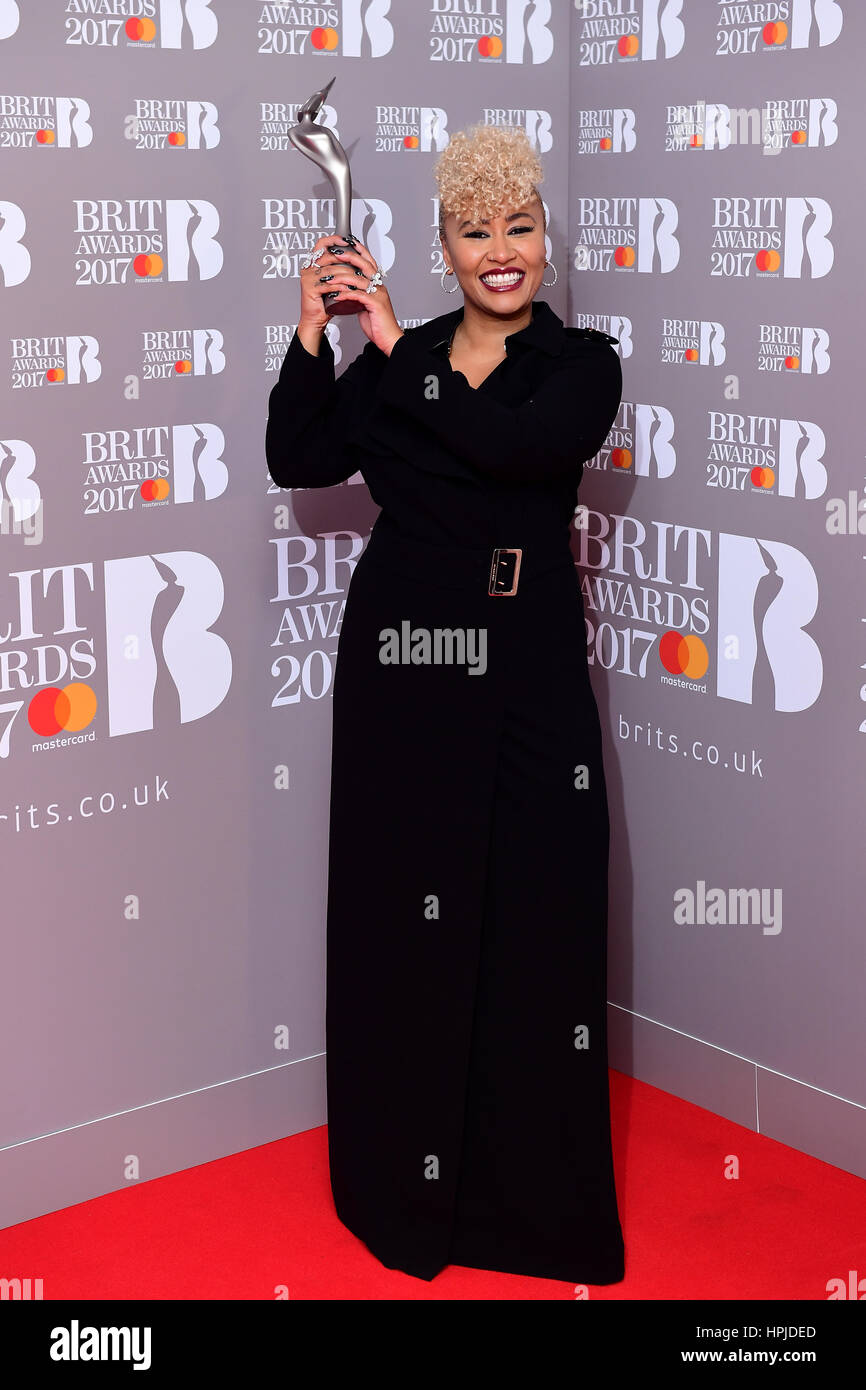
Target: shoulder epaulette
pixel 595 333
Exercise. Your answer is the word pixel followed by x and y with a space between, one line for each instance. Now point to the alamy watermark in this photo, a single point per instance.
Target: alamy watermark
pixel 13 524
pixel 438 646
pixel 713 907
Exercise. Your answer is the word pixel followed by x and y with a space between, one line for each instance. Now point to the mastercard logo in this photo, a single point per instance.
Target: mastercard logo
pixel 55 374
pixel 798 137
pixel 628 46
pixel 696 141
pixel 762 477
pixel 183 366
pixel 154 490
pixel 792 364
pixel 70 707
pixel 621 458
pixel 45 137
pixel 411 142
pixel 176 137
pixel 325 40
pixel 148 263
pixel 768 259
pixel 605 143
pixel 623 255
pixel 140 30
pixel 684 656
pixel 775 32
pixel 691 354
pixel 490 47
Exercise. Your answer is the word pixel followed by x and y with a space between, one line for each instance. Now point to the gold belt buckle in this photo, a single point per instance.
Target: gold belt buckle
pixel 495 588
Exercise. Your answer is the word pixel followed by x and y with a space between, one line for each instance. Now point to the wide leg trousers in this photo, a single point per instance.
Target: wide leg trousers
pixel 468 1107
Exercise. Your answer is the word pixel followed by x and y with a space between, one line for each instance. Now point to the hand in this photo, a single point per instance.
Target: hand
pixel 349 269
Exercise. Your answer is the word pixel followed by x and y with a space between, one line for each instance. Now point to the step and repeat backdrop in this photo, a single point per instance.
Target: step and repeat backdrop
pixel 715 229
pixel 170 619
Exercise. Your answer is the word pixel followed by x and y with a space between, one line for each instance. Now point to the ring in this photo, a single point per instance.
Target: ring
pixel 375 282
pixel 315 257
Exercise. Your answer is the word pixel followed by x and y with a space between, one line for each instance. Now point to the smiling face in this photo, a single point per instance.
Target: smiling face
pixel 499 262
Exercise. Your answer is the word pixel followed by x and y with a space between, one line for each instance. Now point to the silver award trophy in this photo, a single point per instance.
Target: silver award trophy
pixel 322 146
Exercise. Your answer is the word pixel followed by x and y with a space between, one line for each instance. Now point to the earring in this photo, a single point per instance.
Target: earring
pixel 447 271
pixel 555 275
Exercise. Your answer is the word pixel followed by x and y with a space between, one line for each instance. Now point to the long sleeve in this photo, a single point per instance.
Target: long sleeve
pixel 564 422
pixel 311 412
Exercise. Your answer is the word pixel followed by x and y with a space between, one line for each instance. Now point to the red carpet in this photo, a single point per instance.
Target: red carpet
pixel 239 1227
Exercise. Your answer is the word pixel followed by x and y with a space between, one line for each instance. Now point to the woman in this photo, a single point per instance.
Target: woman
pixel 468 1114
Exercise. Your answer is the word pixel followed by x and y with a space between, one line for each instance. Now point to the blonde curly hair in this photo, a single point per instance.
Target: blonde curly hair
pixel 484 169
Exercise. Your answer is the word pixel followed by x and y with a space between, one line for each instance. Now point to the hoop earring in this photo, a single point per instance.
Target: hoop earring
pixel 447 271
pixel 555 275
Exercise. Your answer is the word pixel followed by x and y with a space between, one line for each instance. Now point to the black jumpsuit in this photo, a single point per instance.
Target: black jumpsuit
pixel 468 1107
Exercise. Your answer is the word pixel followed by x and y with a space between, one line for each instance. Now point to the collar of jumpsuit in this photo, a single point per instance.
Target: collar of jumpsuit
pixel 545 331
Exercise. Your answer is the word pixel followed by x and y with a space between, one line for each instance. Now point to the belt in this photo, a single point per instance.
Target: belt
pixel 498 568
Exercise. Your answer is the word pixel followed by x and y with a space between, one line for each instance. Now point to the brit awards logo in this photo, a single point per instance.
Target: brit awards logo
pixel 402 129
pixel 185 24
pixel 54 361
pixel 172 123
pixel 640 442
pixel 803 24
pixel 312 579
pixel 164 665
pixel 792 349
pixel 766 454
pixel 771 237
pixel 292 226
pixel 490 31
pixel 628 31
pixel 44 122
pixel 354 28
pixel 178 354
pixel 768 595
pixel 145 240
pixel 152 465
pixel 536 123
pixel 698 341
pixel 627 234
pixel 14 256
pixel 796 123
pixel 647 596
pixel 48 643
pixel 697 125
pixel 606 130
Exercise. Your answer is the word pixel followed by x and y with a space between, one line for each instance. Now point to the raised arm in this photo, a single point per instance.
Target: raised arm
pixel 310 414
pixel 311 411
